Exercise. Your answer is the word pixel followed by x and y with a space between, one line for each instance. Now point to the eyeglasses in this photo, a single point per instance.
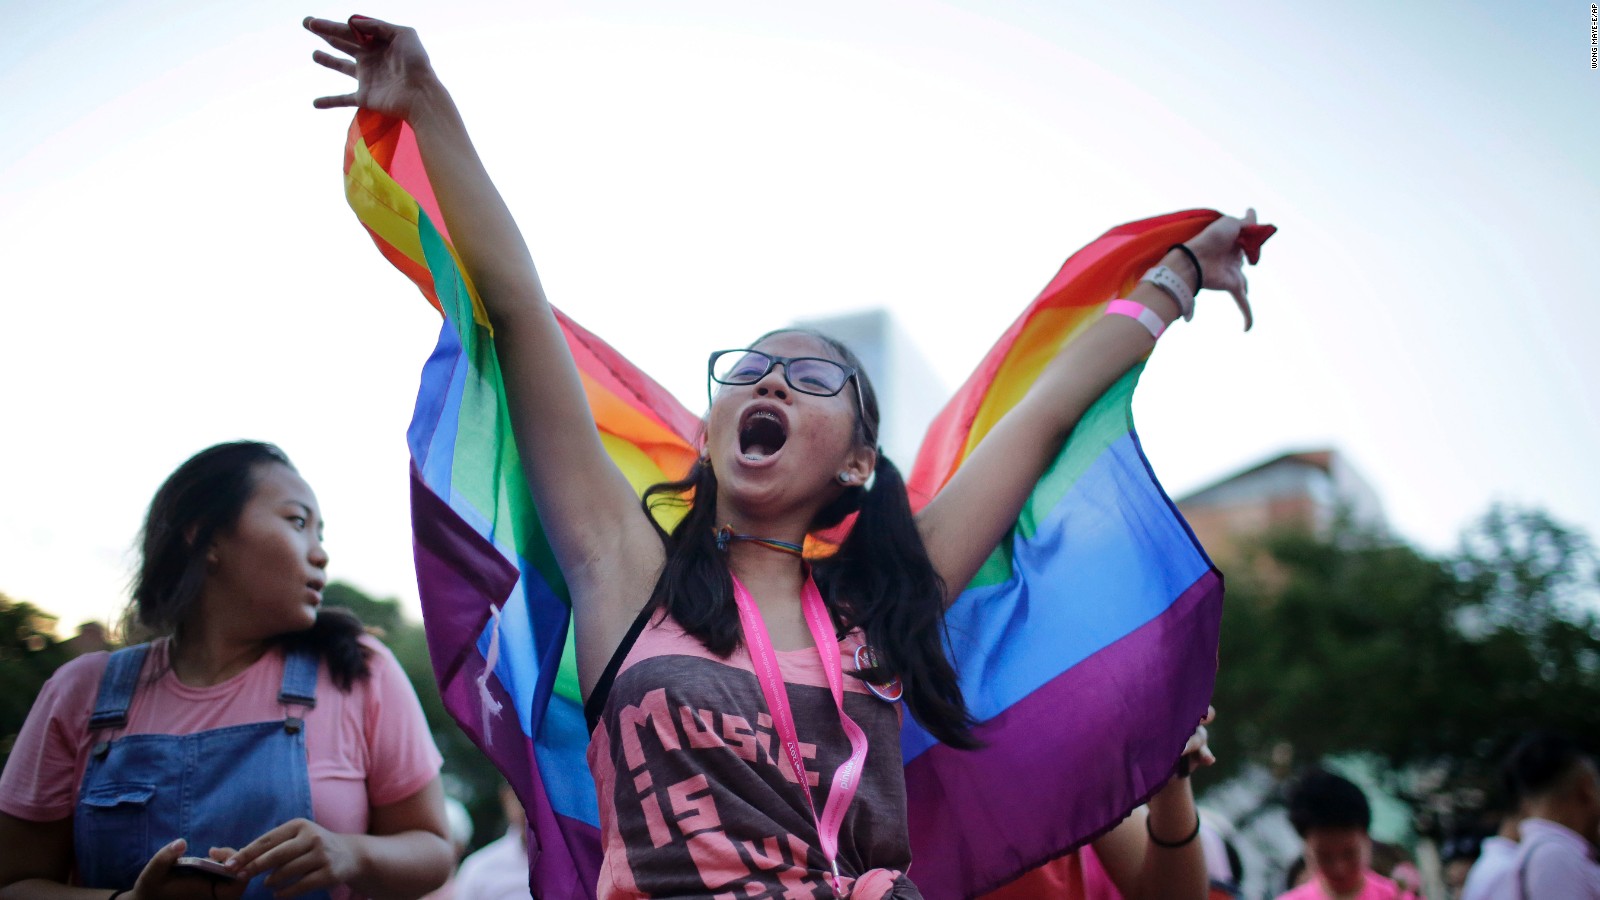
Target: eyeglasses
pixel 806 374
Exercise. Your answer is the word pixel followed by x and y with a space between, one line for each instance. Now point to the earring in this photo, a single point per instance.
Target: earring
pixel 844 477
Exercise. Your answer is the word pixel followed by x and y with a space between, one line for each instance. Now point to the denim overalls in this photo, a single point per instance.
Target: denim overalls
pixel 219 788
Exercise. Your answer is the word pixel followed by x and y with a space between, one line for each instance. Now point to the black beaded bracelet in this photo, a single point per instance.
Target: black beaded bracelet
pixel 1199 273
pixel 1172 845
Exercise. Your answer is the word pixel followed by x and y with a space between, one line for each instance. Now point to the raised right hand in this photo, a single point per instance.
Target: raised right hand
pixel 1221 253
pixel 388 62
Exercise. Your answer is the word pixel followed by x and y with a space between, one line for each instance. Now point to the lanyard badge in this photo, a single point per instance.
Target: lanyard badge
pixel 891 692
pixel 846 777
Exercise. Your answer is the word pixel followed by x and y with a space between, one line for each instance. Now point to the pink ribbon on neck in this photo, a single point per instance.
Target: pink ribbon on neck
pixel 846 778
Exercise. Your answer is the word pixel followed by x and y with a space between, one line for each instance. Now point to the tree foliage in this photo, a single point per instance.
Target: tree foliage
pixel 1354 643
pixel 29 653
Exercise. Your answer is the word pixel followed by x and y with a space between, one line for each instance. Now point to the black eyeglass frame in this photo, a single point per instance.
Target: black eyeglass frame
pixel 850 375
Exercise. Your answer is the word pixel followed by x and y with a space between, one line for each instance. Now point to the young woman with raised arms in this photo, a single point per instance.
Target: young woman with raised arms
pixel 721 669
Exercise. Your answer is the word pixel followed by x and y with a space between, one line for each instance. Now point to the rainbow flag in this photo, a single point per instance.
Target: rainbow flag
pixel 1087 643
pixel 1086 646
pixel 495 604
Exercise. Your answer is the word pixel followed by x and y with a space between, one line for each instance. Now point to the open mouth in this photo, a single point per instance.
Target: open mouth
pixel 762 434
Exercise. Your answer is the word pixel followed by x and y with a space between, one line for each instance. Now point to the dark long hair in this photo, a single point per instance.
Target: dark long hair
pixel 200 500
pixel 880 580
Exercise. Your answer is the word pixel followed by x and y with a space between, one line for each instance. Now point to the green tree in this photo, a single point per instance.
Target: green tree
pixel 383 617
pixel 1529 592
pixel 1351 643
pixel 29 653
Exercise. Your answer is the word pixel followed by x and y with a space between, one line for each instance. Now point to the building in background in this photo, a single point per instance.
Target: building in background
pixel 1305 491
pixel 909 393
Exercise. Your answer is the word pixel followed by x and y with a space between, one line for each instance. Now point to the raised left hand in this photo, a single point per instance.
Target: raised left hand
pixel 301 855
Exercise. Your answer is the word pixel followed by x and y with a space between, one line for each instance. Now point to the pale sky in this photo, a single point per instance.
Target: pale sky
pixel 181 267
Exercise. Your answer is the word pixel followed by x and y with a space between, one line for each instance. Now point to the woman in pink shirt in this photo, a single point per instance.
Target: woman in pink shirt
pixel 256 721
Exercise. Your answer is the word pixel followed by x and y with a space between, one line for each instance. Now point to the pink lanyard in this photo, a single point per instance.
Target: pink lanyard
pixel 846 777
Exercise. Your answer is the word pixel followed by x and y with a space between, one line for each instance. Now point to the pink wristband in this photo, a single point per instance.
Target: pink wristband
pixel 1144 315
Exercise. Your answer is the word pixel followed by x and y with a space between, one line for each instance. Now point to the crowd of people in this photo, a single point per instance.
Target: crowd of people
pixel 287 745
pixel 1544 844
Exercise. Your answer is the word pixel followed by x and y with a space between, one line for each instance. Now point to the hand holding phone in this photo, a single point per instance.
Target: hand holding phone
pixel 204 868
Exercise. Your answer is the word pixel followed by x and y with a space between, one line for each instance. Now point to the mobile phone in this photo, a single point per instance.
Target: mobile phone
pixel 203 867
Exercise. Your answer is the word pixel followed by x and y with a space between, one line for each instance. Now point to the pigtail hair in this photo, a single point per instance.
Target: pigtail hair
pixel 883 582
pixel 695 587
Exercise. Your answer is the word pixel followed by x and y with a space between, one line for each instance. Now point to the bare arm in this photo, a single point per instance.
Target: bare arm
pixel 605 545
pixel 1135 855
pixel 972 513
pixel 37 862
pixel 1142 869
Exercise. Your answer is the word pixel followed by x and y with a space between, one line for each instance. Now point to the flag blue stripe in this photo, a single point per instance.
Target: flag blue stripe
pixel 1107 559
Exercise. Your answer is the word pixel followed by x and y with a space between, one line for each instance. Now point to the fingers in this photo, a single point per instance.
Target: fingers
pixel 336 102
pixel 1241 296
pixel 297 855
pixel 1210 716
pixel 1197 752
pixel 368 28
pixel 244 861
pixel 155 871
pixel 327 28
pixel 339 36
pixel 291 878
pixel 336 63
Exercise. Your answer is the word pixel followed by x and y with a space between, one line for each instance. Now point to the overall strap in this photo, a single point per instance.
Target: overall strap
pixel 299 678
pixel 117 684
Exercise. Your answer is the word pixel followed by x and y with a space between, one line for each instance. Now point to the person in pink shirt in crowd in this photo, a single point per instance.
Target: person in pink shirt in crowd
pixel 1560 791
pixel 1332 816
pixel 257 728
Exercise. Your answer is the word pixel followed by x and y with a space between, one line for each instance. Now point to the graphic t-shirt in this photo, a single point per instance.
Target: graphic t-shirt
pixel 697 799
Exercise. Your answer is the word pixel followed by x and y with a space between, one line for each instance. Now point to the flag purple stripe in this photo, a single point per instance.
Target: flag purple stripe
pixel 977 816
pixel 460 575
